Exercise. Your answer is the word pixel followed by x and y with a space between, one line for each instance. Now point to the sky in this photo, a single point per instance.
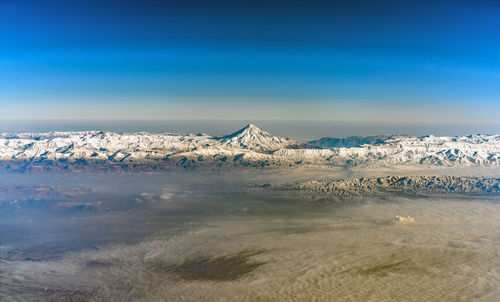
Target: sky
pixel 339 61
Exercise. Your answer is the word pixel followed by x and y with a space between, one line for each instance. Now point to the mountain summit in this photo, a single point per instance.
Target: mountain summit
pixel 249 130
pixel 248 147
pixel 252 137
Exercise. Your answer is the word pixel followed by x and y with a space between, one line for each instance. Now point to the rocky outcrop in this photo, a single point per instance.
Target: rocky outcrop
pixel 404 185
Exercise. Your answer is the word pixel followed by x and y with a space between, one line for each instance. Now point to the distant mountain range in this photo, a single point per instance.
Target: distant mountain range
pixel 247 147
pixel 348 142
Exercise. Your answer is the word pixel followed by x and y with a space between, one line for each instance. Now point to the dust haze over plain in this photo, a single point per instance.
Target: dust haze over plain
pixel 151 237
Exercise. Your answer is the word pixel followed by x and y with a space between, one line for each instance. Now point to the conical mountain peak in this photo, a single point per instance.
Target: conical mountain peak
pixel 251 127
pixel 253 137
pixel 249 130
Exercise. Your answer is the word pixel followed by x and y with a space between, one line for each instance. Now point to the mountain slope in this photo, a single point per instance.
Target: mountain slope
pixel 348 142
pixel 253 138
pixel 248 147
pixel 407 185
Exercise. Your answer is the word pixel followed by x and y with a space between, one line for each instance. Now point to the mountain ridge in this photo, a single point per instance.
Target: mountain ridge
pixel 394 185
pixel 247 147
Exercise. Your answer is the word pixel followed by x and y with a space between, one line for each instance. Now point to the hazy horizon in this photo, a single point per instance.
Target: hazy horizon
pixel 300 130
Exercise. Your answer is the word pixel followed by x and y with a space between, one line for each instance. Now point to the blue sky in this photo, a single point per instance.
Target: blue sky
pixel 372 61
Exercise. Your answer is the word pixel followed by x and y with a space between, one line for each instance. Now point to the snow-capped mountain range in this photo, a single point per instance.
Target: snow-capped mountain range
pixel 249 147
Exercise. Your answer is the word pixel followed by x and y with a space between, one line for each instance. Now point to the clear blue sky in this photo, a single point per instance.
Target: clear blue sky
pixel 391 61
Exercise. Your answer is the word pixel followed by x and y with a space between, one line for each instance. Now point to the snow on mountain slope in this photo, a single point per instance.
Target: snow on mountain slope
pixel 253 138
pixel 250 146
pixel 351 141
pixel 429 150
